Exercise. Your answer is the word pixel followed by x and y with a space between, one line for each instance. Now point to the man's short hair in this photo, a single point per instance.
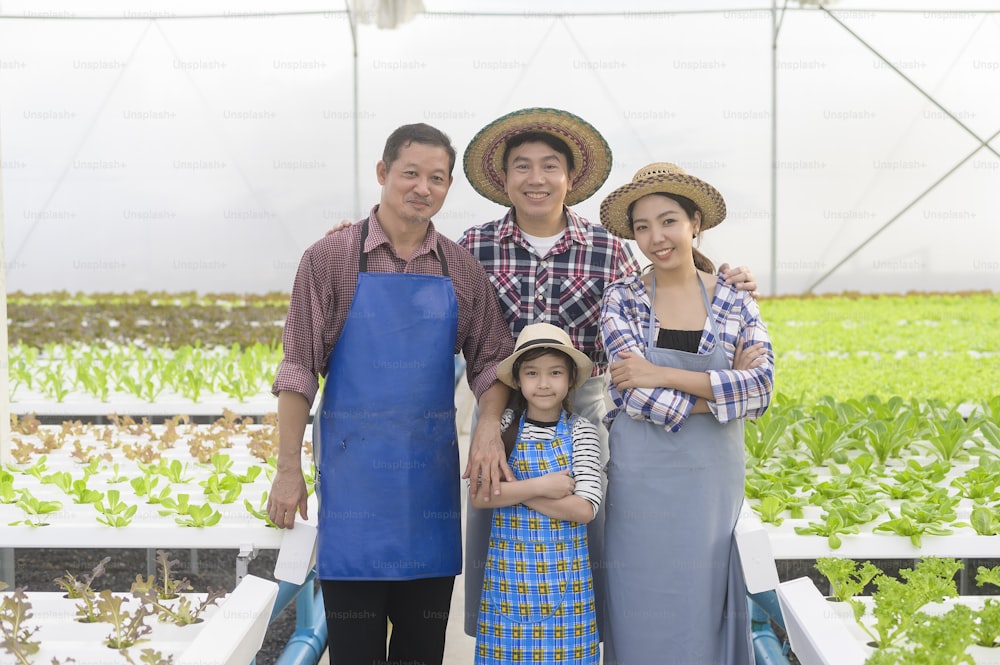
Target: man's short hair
pixel 417 133
pixel 539 137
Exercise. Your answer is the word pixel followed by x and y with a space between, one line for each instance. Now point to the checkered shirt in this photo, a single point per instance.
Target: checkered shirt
pixel 564 287
pixel 738 393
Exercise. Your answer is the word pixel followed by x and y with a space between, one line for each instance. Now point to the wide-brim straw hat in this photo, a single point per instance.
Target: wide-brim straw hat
pixel 661 178
pixel 483 159
pixel 546 336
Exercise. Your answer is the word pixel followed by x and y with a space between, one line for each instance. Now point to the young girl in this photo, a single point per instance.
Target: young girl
pixel 538 596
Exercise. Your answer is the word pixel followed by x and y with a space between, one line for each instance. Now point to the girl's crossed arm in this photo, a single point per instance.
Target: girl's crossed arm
pixel 552 486
pixel 551 495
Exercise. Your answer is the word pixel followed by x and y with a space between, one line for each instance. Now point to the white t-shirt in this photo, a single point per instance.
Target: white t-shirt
pixel 542 245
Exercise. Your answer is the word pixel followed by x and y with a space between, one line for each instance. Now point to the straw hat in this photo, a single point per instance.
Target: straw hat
pixel 544 335
pixel 483 160
pixel 662 178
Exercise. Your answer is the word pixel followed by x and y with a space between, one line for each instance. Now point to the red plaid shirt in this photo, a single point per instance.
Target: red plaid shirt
pixel 324 288
pixel 564 287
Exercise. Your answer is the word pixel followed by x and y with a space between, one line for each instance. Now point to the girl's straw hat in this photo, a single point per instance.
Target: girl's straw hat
pixel 483 160
pixel 548 336
pixel 661 178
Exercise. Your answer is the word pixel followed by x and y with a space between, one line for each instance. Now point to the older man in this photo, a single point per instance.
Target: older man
pixel 380 310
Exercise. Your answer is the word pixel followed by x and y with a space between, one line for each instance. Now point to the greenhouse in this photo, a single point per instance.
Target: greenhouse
pixel 169 173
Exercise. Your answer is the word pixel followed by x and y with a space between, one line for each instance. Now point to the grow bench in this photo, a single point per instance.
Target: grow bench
pixel 231 632
pixel 823 632
pixel 172 470
pixel 155 490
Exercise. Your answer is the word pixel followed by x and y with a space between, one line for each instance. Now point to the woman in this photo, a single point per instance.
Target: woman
pixel 674 335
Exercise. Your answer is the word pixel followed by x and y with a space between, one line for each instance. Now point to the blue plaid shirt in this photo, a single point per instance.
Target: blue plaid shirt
pixel 564 287
pixel 738 393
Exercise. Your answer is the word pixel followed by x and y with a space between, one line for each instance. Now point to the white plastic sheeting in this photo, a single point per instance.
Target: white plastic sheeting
pixel 147 151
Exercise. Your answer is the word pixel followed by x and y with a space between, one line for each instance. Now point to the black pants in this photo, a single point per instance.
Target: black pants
pixel 356 614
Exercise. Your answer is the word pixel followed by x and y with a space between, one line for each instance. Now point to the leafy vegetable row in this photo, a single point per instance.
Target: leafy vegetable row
pixel 102 372
pixel 901 628
pixel 887 464
pixel 155 596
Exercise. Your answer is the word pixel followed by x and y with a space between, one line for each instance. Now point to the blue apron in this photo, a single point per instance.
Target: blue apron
pixel 675 586
pixel 387 472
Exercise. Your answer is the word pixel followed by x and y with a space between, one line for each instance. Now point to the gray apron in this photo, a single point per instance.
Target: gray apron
pixel 675 587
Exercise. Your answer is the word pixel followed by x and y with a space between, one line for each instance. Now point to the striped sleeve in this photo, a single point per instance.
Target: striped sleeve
pixel 587 462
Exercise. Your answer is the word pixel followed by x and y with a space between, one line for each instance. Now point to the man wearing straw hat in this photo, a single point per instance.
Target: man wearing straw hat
pixel 549 265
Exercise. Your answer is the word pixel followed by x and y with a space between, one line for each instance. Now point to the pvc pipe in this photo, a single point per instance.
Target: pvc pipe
pixel 308 642
pixel 287 592
pixel 768 602
pixel 767 648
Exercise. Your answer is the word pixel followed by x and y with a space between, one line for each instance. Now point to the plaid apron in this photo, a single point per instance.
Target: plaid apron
pixel 538 595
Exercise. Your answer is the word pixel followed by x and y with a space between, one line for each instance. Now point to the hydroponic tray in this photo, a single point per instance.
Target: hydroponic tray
pixel 83 405
pixel 824 632
pixel 230 634
pixel 77 524
pixel 963 542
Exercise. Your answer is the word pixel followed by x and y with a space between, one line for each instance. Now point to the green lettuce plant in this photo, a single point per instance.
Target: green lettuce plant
pixel 114 512
pixel 847 579
pixel 897 601
pixel 36 510
pixel 933 640
pixel 8 494
pixel 188 514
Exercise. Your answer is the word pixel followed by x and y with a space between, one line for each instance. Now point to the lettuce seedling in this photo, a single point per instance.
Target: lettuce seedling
pixel 985 521
pixel 189 514
pixel 182 613
pixel 824 438
pixel 7 492
pixel 145 485
pixel 128 628
pixel 887 438
pixel 949 434
pixel 114 512
pixel 35 509
pixel 980 482
pixel 763 436
pixel 80 493
pixel 261 511
pixel 15 635
pixel 251 475
pixel 919 518
pixel 148 657
pixel 226 490
pixel 174 471
pixel 848 579
pixel 987 631
pixel 770 509
pixel 81 589
pixel 832 526
pixel 986 575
